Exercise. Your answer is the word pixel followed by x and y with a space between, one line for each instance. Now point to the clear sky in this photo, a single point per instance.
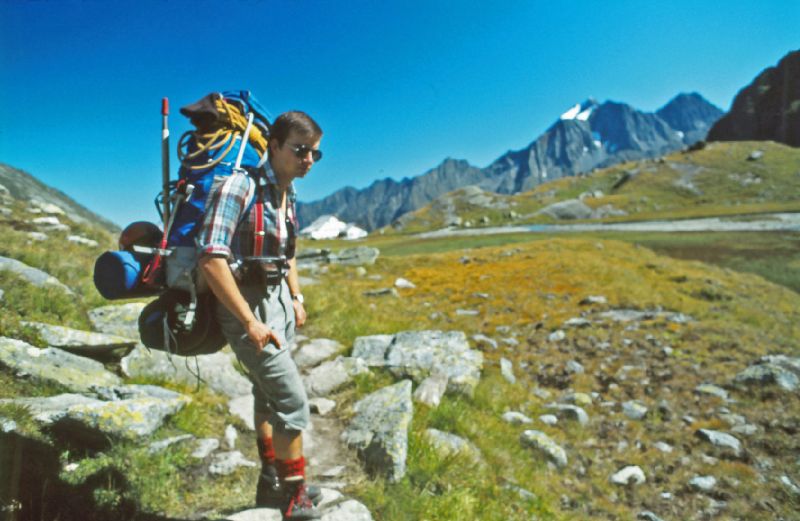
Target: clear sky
pixel 397 86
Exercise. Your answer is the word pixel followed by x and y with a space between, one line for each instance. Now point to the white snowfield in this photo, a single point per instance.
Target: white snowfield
pixel 579 112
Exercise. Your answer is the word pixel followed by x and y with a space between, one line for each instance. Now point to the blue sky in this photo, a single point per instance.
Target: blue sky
pixel 396 86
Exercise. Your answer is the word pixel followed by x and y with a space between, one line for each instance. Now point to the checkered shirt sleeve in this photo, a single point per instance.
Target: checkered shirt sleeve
pixel 224 211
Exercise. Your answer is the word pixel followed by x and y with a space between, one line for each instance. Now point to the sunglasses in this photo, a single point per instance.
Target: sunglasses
pixel 301 151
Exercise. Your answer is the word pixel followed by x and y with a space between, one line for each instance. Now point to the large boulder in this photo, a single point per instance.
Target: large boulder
pixel 372 349
pixel 99 346
pixel 315 351
pixel 568 210
pixel 54 365
pixel 779 370
pixel 379 429
pixel 120 320
pixel 37 277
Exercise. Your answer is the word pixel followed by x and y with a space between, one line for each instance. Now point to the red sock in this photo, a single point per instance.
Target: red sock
pixel 265 450
pixel 292 469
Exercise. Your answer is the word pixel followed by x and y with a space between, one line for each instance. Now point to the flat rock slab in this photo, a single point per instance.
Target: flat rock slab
pixel 542 443
pixel 54 365
pixel 334 507
pixel 723 441
pixel 372 349
pixel 316 351
pixel 37 277
pixel 357 256
pixel 333 375
pixel 47 410
pixel 431 390
pixel 119 320
pixel 100 346
pixel 224 463
pixel 217 371
pixel 379 429
pixel 779 370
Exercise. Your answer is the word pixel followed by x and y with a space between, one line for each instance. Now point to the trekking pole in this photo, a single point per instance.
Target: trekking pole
pixel 165 159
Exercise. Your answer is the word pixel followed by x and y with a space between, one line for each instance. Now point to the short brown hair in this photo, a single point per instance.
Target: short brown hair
pixel 295 120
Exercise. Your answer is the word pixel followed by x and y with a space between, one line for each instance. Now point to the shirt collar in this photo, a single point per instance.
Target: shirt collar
pixel 269 175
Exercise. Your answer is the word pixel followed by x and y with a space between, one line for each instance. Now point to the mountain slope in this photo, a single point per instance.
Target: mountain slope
pixel 691 115
pixel 767 109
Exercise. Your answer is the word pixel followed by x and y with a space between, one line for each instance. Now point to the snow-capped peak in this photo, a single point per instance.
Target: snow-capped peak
pixel 581 111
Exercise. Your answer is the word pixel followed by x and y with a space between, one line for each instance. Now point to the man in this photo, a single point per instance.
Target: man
pixel 260 302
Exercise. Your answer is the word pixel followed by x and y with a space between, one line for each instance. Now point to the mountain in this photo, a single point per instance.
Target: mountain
pixel 23 186
pixel 767 109
pixel 589 135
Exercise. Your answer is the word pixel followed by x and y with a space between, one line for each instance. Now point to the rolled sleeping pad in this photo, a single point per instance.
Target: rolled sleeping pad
pixel 118 274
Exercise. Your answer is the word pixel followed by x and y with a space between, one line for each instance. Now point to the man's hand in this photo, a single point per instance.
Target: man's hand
pixel 261 335
pixel 299 313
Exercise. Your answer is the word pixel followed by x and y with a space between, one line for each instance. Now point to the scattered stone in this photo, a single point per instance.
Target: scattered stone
pixel 34 276
pixel 119 320
pixel 703 483
pixel 574 367
pixel 48 410
pixel 333 375
pixel 542 443
pixel 755 155
pixel 158 446
pixel 350 510
pixel 790 485
pixel 404 284
pixel 372 349
pixel 571 412
pixel 225 463
pixel 447 444
pixel 779 370
pixel 321 406
pixel 557 336
pixel 357 256
pixel 712 390
pixel 315 351
pixel 483 340
pixel 379 430
pixel 721 440
pixel 53 365
pixel 634 410
pixel 382 292
pixel 540 393
pixel 83 241
pixel 204 447
pixel 593 299
pixel 649 516
pixel 548 419
pixel 567 210
pixel 46 207
pixel 635 315
pixel 577 322
pixel 467 312
pixel 516 418
pixel 631 475
pixel 527 495
pixel 242 408
pixel 98 346
pixel 579 399
pixel 507 370
pixel 230 437
pixel 37 236
pixel 666 448
pixel 7 425
pixel 745 430
pixel 431 390
pixel 510 341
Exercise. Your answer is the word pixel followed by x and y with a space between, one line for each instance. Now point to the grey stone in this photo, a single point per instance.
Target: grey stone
pixel 230 437
pixel 315 351
pixel 507 370
pixel 448 444
pixel 634 410
pixel 745 430
pixel 333 375
pixel 631 475
pixel 37 277
pixel 350 510
pixel 321 406
pixel 225 463
pixel 158 446
pixel 242 408
pixel 703 483
pixel 467 312
pixel 84 343
pixel 791 487
pixel 755 155
pixel 557 336
pixel 515 418
pixel 37 236
pixel 542 443
pixel 382 292
pixel 372 349
pixel 721 440
pixel 593 299
pixel 431 390
pixel 579 399
pixel 567 210
pixel 53 365
pixel 48 410
pixel 117 393
pixel 663 447
pixel 648 516
pixel 574 367
pixel 379 429
pixel 484 340
pixel 7 425
pixel 256 514
pixel 119 320
pixel 419 354
pixel 577 322
pixel 204 447
pixel 83 241
pixel 217 370
pixel 572 412
pixel 357 256
pixel 510 341
pixel 548 419
pixel 712 390
pixel 525 494
pixel 404 284
pixel 779 370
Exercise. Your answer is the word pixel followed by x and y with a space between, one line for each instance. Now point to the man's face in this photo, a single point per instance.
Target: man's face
pixel 293 159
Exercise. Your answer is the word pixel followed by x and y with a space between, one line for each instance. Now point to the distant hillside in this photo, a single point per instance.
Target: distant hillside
pixel 587 136
pixel 767 109
pixel 23 186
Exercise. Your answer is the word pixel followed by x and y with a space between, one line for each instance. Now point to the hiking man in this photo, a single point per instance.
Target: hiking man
pixel 254 277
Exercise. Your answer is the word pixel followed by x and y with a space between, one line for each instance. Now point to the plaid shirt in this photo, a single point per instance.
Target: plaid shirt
pixel 227 232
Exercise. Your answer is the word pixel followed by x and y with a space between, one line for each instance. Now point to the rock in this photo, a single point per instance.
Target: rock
pixel 224 463
pixel 379 429
pixel 577 322
pixel 53 365
pixel 372 349
pixel 217 370
pixel 542 443
pixel 83 241
pixel 431 390
pixel 37 236
pixel 404 284
pixel 34 276
pixel 350 510
pixel 158 446
pixel 527 495
pixel 574 367
pixel 712 390
pixel 755 155
pixel 556 336
pixel 357 256
pixel 418 354
pixel 634 410
pixel 48 410
pixel 98 346
pixel 315 351
pixel 321 406
pixel 548 419
pixel 382 292
pixel 631 475
pixel 447 444
pixel 7 425
pixel 256 514
pixel 791 487
pixel 119 320
pixel 230 437
pixel 332 375
pixel 507 370
pixel 579 399
pixel 467 312
pixel 572 412
pixel 779 370
pixel 648 516
pixel 721 440
pixel 703 483
pixel 117 393
pixel 745 430
pixel 204 447
pixel 46 207
pixel 242 408
pixel 510 341
pixel 666 448
pixel 485 341
pixel 593 299
pixel 567 210
pixel 515 418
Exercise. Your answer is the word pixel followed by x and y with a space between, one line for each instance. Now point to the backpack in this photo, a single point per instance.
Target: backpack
pixel 231 135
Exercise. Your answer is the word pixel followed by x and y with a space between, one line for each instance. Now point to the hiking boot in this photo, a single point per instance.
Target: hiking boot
pixel 270 493
pixel 298 505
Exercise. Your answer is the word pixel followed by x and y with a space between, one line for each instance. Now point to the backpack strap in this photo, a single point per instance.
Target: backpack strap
pixel 258 238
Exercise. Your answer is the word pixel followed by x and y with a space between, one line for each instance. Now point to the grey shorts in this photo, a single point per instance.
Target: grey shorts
pixel 277 387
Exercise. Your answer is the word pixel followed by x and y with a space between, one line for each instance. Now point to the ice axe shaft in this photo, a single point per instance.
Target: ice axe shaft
pixel 165 159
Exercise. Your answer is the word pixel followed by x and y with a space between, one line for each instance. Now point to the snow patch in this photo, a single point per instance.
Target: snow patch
pixel 572 113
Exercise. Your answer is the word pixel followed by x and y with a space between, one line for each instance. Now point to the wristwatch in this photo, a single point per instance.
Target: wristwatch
pixel 299 298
